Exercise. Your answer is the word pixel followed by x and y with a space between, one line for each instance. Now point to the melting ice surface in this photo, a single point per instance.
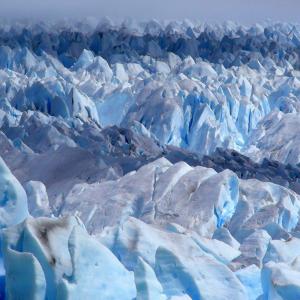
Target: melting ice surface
pixel 104 189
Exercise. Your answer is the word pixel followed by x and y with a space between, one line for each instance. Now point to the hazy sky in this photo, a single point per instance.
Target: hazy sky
pixel 207 10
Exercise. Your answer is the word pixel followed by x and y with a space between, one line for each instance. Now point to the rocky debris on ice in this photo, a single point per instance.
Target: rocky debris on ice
pixel 121 149
pixel 268 170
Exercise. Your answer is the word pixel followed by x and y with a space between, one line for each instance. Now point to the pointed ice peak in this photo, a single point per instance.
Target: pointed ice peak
pixel 24 57
pixel 82 106
pixel 153 28
pixel 85 59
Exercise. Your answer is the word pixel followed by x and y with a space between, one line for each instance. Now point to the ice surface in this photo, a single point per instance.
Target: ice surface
pixel 128 141
pixel 242 97
pixel 13 198
pixel 38 204
pixel 280 281
pixel 251 279
pixel 177 272
pixel 147 285
pixel 61 262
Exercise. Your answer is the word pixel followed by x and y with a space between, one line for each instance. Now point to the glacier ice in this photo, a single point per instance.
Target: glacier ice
pixel 205 104
pixel 149 160
pixel 165 252
pixel 13 198
pixel 61 262
pixel 254 248
pixel 282 251
pixel 147 285
pixel 224 235
pixel 281 281
pixel 38 204
pixel 250 277
pixel 161 259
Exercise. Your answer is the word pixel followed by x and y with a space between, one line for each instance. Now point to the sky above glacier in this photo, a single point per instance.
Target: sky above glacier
pixel 248 11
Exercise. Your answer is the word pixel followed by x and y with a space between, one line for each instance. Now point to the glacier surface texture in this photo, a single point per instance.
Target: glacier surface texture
pixel 149 161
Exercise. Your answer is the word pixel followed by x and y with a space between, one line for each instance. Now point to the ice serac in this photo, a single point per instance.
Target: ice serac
pixel 147 285
pixel 82 107
pixel 177 146
pixel 199 275
pixel 38 204
pixel 32 281
pixel 265 206
pixel 160 193
pixel 62 262
pixel 254 248
pixel 231 87
pixel 281 281
pixel 250 277
pixel 283 251
pixel 224 235
pixel 275 139
pixel 224 189
pixel 13 198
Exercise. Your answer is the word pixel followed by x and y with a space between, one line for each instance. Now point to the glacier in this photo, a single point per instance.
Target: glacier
pixel 208 101
pixel 149 160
